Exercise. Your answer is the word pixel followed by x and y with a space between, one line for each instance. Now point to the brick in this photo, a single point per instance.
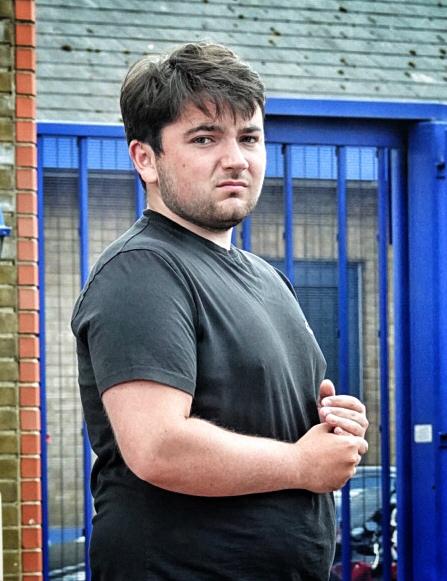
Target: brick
pixel 31 537
pixel 26 179
pixel 28 346
pixel 8 370
pixel 33 577
pixel 8 296
pixel 28 299
pixel 26 155
pixel 28 274
pixel 28 322
pixel 8 274
pixel 30 444
pixel 27 226
pixel 8 396
pixel 31 561
pixel 27 249
pixel 25 83
pixel 29 371
pixel 10 514
pixel 29 396
pixel 8 440
pixel 8 321
pixel 25 35
pixel 25 131
pixel 6 8
pixel 7 158
pixel 11 563
pixel 27 203
pixel 31 514
pixel 8 347
pixel 30 419
pixel 6 129
pixel 25 107
pixel 6 32
pixel 6 28
pixel 30 467
pixel 30 490
pixel 9 467
pixel 8 420
pixel 5 82
pixel 25 10
pixel 6 178
pixel 26 59
pixel 9 490
pixel 6 100
pixel 11 539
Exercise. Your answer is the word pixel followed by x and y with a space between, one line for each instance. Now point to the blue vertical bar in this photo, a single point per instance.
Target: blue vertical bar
pixel 84 263
pixel 383 191
pixel 246 234
pixel 42 356
pixel 441 475
pixel 401 356
pixel 234 236
pixel 140 197
pixel 288 212
pixel 343 353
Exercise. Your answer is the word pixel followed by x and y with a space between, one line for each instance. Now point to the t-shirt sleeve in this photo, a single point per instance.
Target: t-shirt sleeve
pixel 287 282
pixel 137 320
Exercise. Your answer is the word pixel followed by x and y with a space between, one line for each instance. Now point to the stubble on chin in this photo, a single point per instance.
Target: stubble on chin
pixel 203 213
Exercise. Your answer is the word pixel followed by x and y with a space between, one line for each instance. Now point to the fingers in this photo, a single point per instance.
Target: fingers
pixel 362 445
pixel 344 401
pixel 327 389
pixel 341 432
pixel 344 412
pixel 348 420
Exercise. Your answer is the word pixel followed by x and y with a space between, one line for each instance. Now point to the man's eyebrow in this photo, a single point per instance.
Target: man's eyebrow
pixel 207 127
pixel 251 129
pixel 213 128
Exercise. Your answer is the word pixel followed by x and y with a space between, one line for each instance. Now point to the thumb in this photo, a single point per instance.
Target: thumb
pixel 327 389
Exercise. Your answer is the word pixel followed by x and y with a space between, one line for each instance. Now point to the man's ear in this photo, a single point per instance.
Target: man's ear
pixel 144 160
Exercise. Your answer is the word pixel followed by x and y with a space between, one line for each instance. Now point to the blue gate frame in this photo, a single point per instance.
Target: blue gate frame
pixel 310 122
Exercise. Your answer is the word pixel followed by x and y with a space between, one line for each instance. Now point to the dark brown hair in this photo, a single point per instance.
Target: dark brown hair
pixel 154 94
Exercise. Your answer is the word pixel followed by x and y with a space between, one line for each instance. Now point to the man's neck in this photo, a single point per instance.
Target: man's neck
pixel 221 238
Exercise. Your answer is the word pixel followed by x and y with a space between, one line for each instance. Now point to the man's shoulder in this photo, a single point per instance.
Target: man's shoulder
pixel 141 240
pixel 136 258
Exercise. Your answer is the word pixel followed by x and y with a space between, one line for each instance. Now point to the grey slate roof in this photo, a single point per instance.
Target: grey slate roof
pixel 349 49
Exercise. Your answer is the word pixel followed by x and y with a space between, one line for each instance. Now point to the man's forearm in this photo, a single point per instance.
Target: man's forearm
pixel 200 458
pixel 162 444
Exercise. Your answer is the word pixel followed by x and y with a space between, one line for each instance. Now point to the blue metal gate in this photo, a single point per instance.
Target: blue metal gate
pixel 330 217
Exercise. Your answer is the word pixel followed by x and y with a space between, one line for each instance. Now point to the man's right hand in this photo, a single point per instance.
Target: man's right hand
pixel 326 461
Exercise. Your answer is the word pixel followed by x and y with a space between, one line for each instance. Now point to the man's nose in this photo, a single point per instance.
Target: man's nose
pixel 233 157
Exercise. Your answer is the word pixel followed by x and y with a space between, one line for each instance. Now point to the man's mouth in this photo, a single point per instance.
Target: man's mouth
pixel 232 183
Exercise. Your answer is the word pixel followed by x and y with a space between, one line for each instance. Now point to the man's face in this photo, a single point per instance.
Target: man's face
pixel 211 170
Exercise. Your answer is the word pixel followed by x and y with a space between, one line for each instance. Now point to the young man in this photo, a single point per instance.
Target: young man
pixel 200 381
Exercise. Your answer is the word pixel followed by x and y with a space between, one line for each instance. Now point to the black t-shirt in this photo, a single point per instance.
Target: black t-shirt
pixel 166 305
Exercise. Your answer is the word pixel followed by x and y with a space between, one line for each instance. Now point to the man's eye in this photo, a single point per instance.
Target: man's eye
pixel 250 139
pixel 202 140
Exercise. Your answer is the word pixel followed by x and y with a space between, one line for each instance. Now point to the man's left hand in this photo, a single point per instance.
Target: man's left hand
pixel 345 413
